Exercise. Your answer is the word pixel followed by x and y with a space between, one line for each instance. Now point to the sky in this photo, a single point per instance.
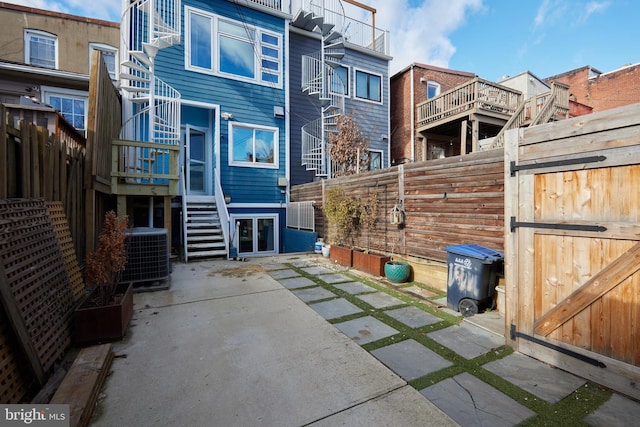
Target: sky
pixel 490 38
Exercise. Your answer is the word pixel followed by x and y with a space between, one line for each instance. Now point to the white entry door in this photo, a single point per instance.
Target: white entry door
pixel 197 165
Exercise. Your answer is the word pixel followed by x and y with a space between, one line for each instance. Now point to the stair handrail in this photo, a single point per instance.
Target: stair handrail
pixel 516 120
pixel 184 212
pixel 223 212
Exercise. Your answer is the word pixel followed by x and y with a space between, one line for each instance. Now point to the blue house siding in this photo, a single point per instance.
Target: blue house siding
pixel 304 108
pixel 249 103
pixel 372 117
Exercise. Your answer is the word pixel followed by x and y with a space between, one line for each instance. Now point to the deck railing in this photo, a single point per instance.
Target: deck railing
pixel 477 94
pixel 144 168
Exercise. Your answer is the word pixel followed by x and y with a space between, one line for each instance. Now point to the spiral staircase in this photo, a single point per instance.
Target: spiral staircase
pixel 327 18
pixel 154 109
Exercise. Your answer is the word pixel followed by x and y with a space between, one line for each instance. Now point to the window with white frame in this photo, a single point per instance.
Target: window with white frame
pixel 232 49
pixel 253 146
pixel 72 104
pixel 368 86
pixel 109 55
pixel 40 48
pixel 433 89
pixel 375 160
pixel 340 81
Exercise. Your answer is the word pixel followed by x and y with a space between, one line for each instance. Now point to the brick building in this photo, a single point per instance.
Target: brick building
pixel 409 87
pixel 593 91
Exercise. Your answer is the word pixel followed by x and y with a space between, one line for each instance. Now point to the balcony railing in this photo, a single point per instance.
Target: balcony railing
pixel 280 5
pixel 144 168
pixel 477 94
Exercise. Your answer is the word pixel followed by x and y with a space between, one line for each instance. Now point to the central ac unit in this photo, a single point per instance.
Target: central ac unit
pixel 147 255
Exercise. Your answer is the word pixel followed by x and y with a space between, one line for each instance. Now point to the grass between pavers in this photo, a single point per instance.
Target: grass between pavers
pixel 569 412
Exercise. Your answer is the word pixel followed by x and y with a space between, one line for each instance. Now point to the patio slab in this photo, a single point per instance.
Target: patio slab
pixel 313 294
pixel 334 278
pixel 365 329
pixel 316 270
pixel 467 340
pixel 546 382
pixel 413 316
pixel 410 359
pixel 335 308
pixel 297 282
pixel 617 411
pixel 380 300
pixel 355 288
pixel 472 402
pixel 283 274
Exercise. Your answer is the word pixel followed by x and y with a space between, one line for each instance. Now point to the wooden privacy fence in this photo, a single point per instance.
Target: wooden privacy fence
pixel 447 201
pixel 35 163
pixel 572 265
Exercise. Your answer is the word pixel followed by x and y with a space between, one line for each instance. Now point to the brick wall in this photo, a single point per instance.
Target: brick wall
pixel 610 90
pixel 401 103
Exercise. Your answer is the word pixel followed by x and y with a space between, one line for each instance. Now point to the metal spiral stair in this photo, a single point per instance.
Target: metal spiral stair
pixel 327 18
pixel 148 26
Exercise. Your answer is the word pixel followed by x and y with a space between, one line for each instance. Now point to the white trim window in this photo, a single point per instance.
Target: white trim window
pixel 433 89
pixel 253 146
pixel 72 104
pixel 368 86
pixel 109 55
pixel 232 49
pixel 40 48
pixel 340 81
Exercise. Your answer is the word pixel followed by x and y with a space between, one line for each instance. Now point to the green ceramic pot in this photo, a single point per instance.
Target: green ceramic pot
pixel 397 271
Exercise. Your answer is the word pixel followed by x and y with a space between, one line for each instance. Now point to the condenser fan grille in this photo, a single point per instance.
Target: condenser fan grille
pixel 147 255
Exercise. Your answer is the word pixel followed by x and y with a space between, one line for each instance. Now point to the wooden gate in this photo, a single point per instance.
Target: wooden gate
pixel 572 244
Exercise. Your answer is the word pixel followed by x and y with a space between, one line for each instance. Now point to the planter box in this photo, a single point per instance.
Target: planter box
pixel 94 324
pixel 341 255
pixel 370 263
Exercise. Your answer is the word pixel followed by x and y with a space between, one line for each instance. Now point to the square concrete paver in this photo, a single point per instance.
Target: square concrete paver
pixel 617 411
pixel 472 402
pixel 467 340
pixel 335 308
pixel 297 282
pixel 334 278
pixel 283 274
pixel 380 300
pixel 354 288
pixel 274 266
pixel 413 317
pixel 410 359
pixel 313 294
pixel 365 329
pixel 540 379
pixel 317 269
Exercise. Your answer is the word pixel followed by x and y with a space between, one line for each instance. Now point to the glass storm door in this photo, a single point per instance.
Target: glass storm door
pixel 196 162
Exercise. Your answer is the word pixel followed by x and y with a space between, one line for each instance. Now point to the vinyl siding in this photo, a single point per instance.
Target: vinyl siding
pixel 249 103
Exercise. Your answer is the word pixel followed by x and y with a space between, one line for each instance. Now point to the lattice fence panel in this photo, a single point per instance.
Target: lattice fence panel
pixel 36 292
pixel 14 379
pixel 63 234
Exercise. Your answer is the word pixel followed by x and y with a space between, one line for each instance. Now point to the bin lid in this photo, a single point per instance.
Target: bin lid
pixel 476 251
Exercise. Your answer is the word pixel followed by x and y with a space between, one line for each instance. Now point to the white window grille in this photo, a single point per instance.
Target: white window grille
pixel 300 215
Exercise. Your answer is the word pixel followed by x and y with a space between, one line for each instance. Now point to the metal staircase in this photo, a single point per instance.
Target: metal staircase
pixel 202 228
pixel 154 106
pixel 319 79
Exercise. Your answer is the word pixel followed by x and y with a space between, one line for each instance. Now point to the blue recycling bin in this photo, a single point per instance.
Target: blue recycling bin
pixel 472 277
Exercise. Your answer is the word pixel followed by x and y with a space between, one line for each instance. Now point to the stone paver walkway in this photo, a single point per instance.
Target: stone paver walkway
pixel 463 369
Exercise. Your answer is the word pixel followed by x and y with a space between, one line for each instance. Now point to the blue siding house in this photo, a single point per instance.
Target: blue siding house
pixel 235 100
pixel 210 77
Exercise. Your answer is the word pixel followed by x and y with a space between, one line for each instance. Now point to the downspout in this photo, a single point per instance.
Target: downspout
pixel 413 113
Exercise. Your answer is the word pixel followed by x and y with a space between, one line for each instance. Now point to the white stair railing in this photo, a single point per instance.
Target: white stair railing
pixel 223 212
